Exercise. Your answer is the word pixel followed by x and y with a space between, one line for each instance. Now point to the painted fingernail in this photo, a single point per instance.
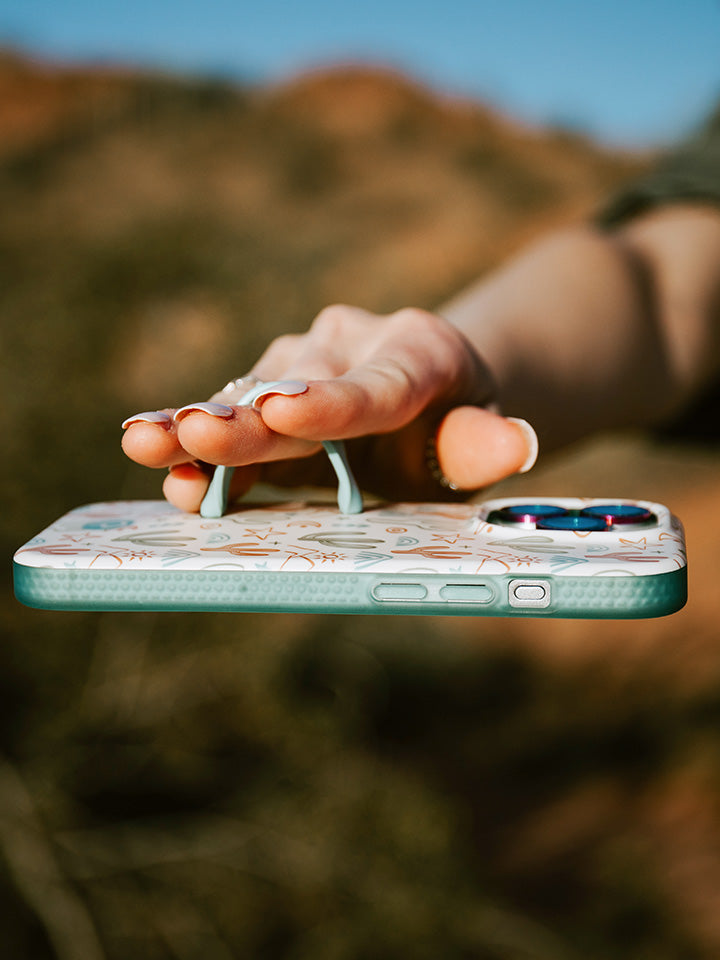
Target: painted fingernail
pixel 531 440
pixel 205 406
pixel 150 416
pixel 287 388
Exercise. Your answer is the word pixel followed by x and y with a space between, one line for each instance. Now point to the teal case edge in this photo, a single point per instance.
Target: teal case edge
pixel 602 597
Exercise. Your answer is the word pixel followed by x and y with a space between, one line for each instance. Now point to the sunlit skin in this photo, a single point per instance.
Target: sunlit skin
pixel 581 332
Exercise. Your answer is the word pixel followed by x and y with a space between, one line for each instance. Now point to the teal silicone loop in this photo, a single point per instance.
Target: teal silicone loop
pixel 349 498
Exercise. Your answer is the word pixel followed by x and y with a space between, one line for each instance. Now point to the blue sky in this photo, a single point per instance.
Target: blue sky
pixel 637 72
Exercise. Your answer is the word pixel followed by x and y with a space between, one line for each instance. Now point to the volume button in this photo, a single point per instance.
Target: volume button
pixel 466 593
pixel 400 592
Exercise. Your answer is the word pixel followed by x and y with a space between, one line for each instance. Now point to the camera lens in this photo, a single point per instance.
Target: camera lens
pixel 620 514
pixel 526 514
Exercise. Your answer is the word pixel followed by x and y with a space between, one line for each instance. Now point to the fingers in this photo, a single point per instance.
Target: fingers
pixel 186 485
pixel 151 439
pixel 476 448
pixel 368 376
pixel 234 440
pixel 239 439
pixel 154 439
pixel 372 375
pixel 418 363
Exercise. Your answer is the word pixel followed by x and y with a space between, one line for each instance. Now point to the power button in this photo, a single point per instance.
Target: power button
pixel 529 593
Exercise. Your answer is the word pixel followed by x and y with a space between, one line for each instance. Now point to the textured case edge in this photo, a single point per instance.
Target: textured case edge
pixel 600 597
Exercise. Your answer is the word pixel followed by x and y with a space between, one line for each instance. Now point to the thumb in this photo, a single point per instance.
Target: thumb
pixel 476 448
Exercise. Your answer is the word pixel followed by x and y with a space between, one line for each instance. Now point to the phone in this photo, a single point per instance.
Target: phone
pixel 557 557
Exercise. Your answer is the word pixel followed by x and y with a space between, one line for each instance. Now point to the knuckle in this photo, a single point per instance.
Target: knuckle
pixel 418 321
pixel 430 329
pixel 351 324
pixel 332 318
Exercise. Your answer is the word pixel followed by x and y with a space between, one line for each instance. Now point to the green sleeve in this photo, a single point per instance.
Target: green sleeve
pixel 690 173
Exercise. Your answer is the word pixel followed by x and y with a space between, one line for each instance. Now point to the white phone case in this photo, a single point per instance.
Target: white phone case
pixel 401 558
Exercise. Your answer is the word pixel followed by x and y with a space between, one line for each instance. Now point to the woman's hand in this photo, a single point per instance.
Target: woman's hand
pixel 386 384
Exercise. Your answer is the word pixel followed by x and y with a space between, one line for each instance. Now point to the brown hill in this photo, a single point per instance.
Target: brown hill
pixel 38 99
pixel 344 185
pixel 298 787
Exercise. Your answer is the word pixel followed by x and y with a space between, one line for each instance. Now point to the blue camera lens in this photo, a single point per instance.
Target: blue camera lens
pixel 526 514
pixel 620 514
pixel 572 522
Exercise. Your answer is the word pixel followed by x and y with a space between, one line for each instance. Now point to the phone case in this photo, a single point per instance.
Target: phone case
pixel 559 557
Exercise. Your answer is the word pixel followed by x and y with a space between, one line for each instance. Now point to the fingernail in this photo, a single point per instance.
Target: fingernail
pixel 205 406
pixel 531 440
pixel 150 416
pixel 287 388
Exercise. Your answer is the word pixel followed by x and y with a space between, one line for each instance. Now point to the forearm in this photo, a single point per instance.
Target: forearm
pixel 589 330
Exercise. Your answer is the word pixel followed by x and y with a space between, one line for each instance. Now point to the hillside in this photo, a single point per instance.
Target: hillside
pixel 354 156
pixel 158 204
pixel 182 786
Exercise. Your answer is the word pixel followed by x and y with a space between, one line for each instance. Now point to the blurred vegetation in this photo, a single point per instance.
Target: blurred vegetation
pixel 294 788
